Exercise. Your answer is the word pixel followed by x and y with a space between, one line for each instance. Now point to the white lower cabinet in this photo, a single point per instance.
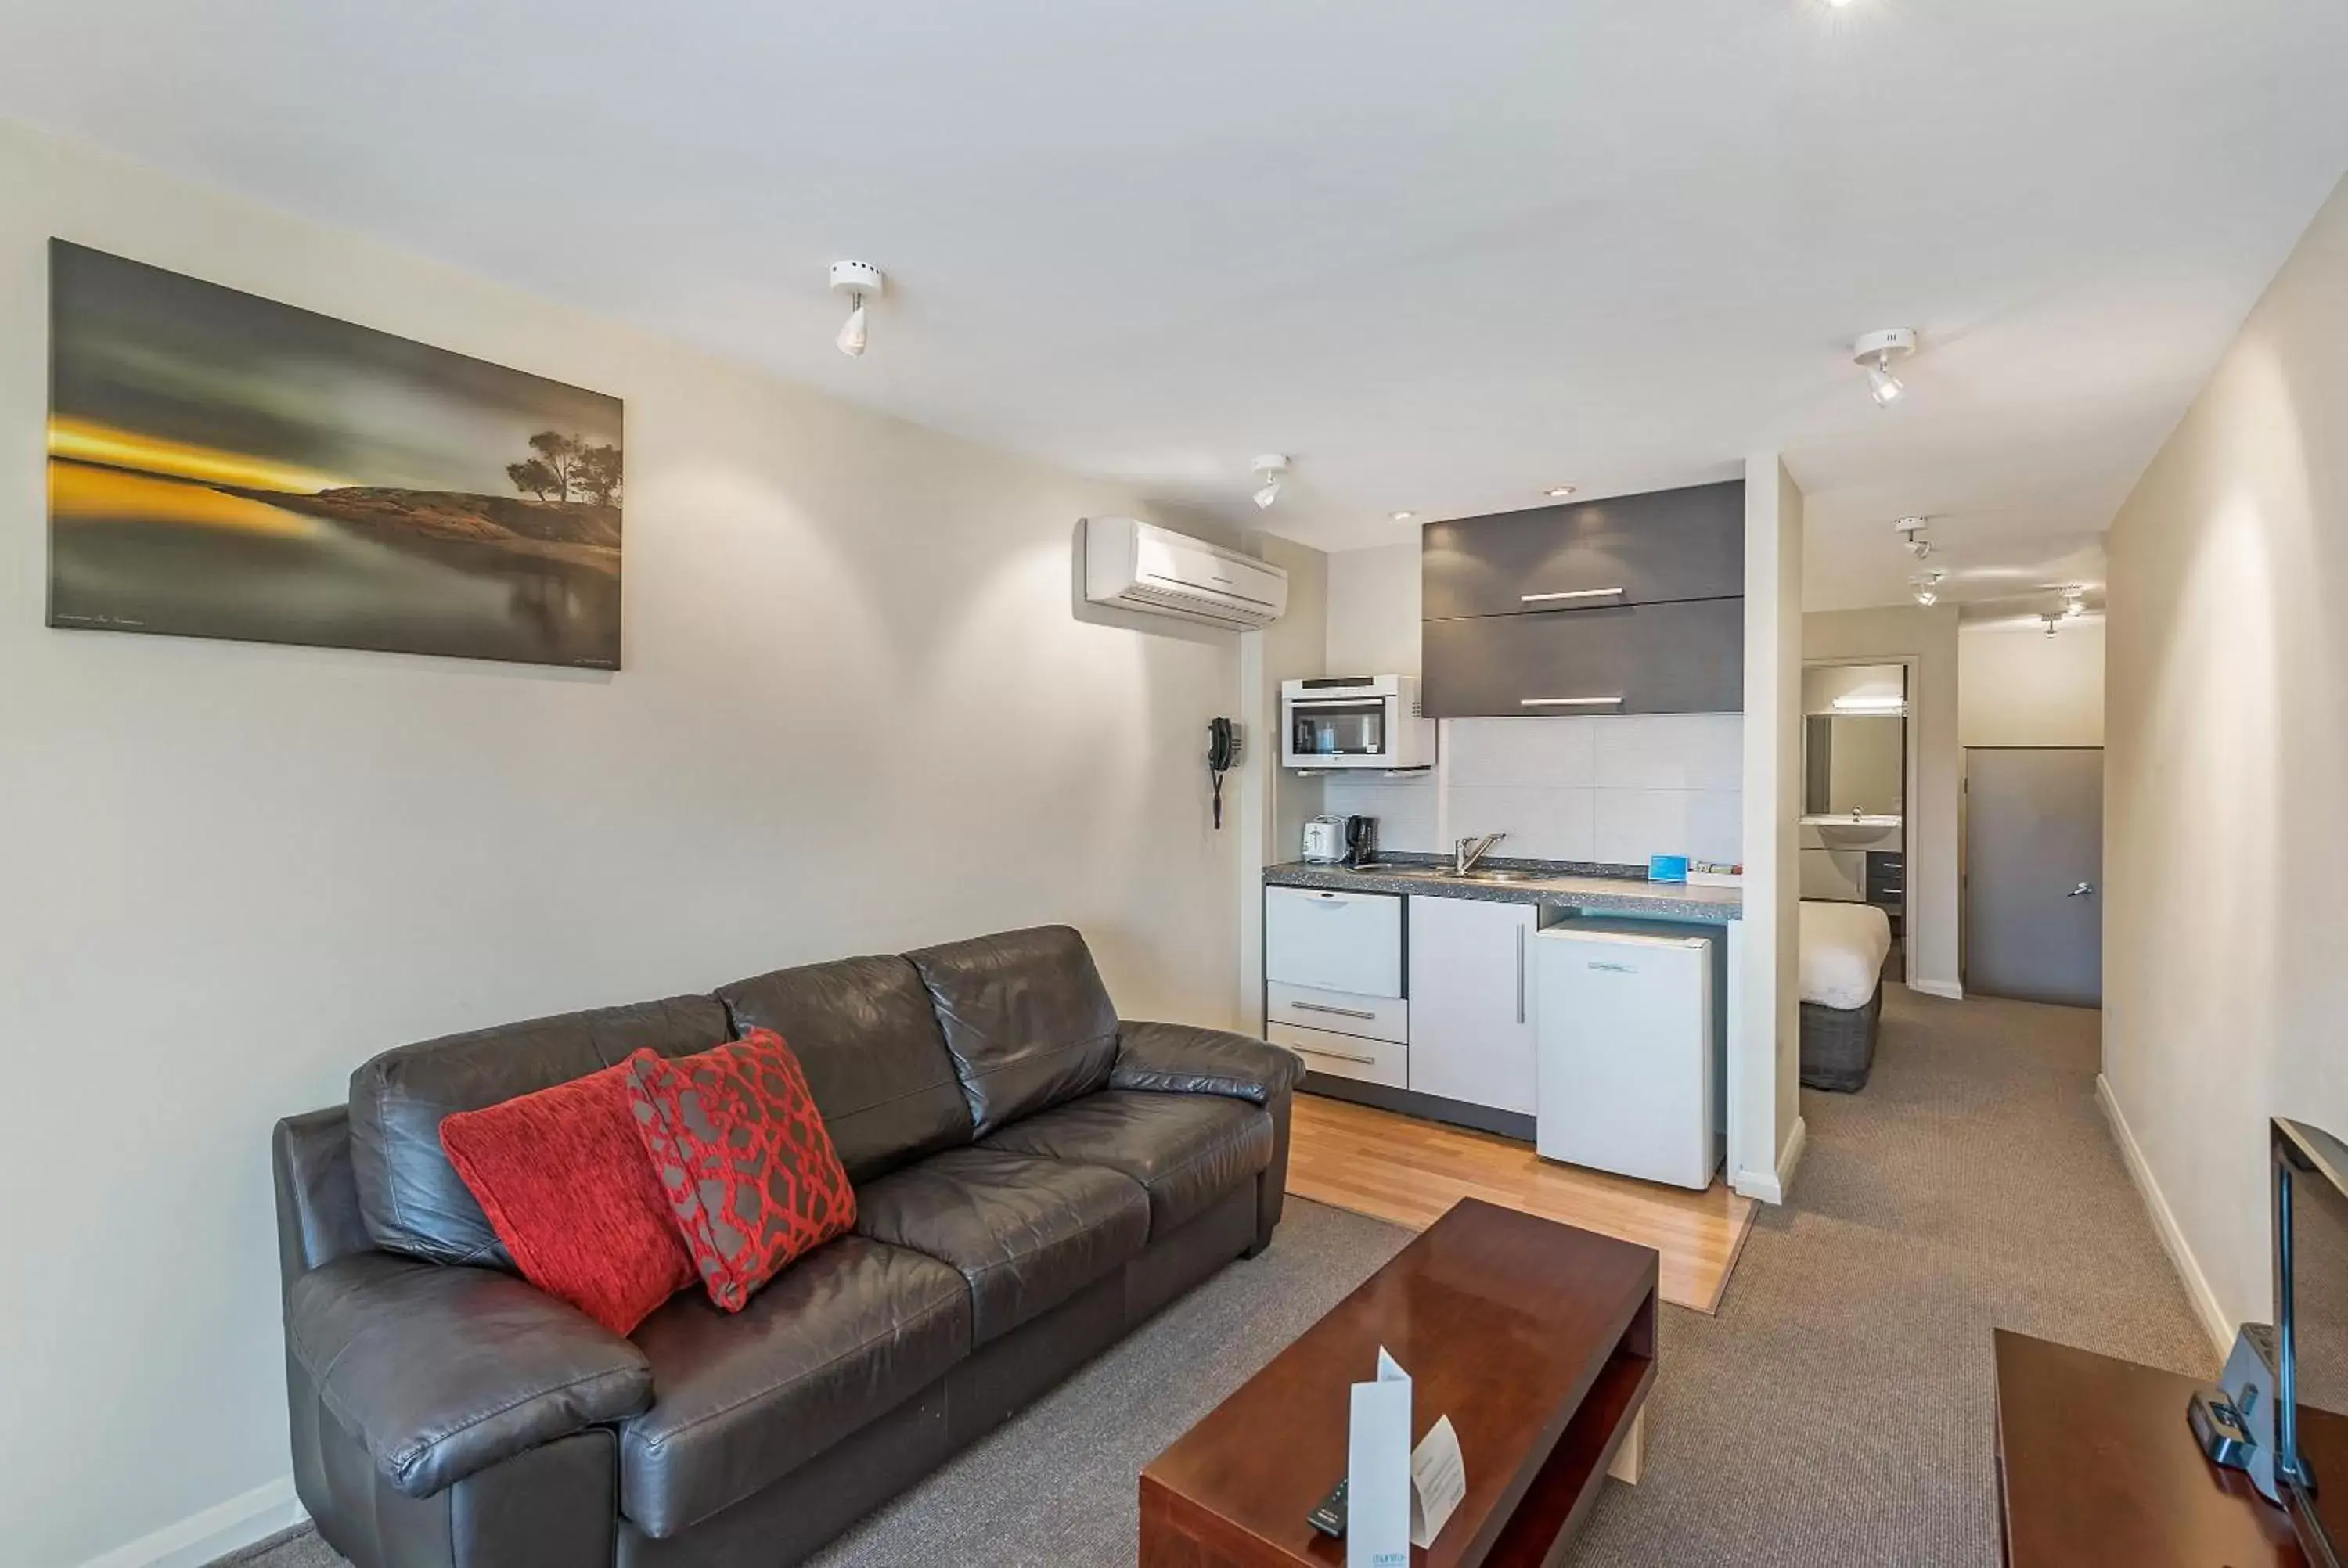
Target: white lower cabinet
pixel 1473 1032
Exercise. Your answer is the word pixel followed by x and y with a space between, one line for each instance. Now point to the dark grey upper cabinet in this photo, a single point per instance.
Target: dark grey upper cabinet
pixel 1681 657
pixel 1663 545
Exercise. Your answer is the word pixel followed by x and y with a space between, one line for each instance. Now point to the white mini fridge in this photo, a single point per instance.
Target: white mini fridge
pixel 1630 1054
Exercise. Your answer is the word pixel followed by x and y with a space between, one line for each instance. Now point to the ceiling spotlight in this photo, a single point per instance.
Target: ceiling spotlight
pixel 1271 468
pixel 1875 351
pixel 2074 603
pixel 856 280
pixel 1839 4
pixel 1402 516
pixel 2052 622
pixel 1925 586
pixel 1912 537
pixel 1558 492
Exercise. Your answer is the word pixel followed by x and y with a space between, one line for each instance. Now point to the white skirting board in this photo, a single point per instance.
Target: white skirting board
pixel 1949 988
pixel 2164 1223
pixel 1771 1186
pixel 255 1516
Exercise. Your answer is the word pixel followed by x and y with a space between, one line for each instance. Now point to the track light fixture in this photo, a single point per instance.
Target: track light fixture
pixel 1912 537
pixel 1271 468
pixel 1877 350
pixel 856 280
pixel 2075 602
pixel 2052 622
pixel 1925 586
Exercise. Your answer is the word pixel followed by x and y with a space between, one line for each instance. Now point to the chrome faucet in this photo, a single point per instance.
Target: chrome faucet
pixel 1466 852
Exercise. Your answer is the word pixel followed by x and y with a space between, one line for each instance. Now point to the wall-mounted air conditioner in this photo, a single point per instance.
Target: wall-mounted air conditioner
pixel 1140 565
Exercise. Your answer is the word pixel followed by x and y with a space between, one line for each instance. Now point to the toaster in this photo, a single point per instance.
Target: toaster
pixel 1325 840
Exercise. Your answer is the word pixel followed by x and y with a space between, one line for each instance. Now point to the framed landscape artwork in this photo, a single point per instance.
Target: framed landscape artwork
pixel 224 465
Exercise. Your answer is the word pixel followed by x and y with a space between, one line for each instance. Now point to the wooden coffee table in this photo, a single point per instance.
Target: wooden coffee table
pixel 1536 1338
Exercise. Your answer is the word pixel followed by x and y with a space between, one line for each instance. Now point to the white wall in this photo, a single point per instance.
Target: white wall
pixel 1373 610
pixel 1765 1133
pixel 1277 803
pixel 858 713
pixel 2016 686
pixel 2226 767
pixel 1929 636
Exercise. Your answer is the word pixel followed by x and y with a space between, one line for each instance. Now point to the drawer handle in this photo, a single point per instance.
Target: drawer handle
pixel 1572 593
pixel 1334 1055
pixel 1341 1012
pixel 1569 702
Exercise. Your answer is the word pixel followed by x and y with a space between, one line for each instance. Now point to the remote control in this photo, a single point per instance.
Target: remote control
pixel 1329 1518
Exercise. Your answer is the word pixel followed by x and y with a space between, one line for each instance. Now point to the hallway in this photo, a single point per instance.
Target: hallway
pixel 1839 1409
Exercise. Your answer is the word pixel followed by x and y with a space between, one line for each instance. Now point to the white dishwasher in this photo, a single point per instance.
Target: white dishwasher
pixel 1629 1058
pixel 1333 983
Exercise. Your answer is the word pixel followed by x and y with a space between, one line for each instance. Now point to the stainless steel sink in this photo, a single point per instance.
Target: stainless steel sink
pixel 1394 868
pixel 1495 874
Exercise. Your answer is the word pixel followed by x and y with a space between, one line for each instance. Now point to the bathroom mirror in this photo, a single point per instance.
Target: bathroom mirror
pixel 1854 762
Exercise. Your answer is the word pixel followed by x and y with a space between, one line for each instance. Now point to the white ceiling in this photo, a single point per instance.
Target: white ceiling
pixel 1442 255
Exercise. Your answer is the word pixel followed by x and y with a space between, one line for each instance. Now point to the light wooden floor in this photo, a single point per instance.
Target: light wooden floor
pixel 1402 1169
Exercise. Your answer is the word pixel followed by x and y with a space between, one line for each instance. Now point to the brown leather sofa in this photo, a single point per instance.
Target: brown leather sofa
pixel 1034 1179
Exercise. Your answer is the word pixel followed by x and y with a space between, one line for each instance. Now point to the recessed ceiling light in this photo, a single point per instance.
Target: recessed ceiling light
pixel 1558 492
pixel 1402 516
pixel 1839 4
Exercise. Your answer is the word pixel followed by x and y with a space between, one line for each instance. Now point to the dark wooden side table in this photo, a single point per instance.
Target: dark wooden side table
pixel 2095 1467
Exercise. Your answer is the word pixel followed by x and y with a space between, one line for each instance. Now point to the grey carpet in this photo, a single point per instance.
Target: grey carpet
pixel 1837 1410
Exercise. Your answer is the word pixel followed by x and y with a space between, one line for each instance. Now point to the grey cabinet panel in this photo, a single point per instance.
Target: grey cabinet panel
pixel 1674 658
pixel 1662 545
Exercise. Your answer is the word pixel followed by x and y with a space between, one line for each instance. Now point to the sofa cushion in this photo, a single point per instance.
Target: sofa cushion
pixel 742 1399
pixel 1027 1234
pixel 1025 1017
pixel 410 1196
pixel 742 1157
pixel 865 1033
pixel 563 1178
pixel 1186 1150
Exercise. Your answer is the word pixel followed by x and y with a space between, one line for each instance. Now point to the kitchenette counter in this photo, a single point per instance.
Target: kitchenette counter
pixel 1537 882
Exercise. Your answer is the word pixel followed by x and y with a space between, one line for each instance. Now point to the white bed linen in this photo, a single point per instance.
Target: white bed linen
pixel 1843 949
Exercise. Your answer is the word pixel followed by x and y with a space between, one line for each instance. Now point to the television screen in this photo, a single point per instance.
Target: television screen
pixel 2312 1168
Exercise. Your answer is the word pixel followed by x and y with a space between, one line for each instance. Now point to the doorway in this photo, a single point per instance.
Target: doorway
pixel 2034 872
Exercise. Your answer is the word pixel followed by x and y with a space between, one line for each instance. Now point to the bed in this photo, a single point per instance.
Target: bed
pixel 1841 969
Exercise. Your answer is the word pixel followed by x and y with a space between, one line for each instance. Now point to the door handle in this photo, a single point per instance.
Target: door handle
pixel 2081 891
pixel 1573 594
pixel 1520 974
pixel 1334 1055
pixel 1341 1012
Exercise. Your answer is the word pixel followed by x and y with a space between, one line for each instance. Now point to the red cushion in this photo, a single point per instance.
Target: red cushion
pixel 563 1179
pixel 741 1150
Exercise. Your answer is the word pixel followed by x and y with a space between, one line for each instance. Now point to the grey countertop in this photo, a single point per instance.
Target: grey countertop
pixel 1548 882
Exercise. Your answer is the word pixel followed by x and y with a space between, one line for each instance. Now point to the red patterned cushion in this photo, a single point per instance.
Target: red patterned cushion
pixel 563 1179
pixel 739 1148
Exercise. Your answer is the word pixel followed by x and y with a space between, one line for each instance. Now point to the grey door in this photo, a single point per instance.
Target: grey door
pixel 2035 873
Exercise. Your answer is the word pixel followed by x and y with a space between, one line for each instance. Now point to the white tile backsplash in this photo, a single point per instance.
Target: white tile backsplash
pixel 1544 753
pixel 1541 823
pixel 1614 789
pixel 1634 823
pixel 1670 751
pixel 1405 808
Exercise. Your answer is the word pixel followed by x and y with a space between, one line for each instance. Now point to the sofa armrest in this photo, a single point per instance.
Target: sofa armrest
pixel 443 1371
pixel 1183 1059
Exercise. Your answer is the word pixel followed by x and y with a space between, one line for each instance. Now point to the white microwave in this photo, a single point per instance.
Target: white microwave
pixel 1353 721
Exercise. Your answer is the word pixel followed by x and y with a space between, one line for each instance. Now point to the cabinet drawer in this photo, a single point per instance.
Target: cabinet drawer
pixel 1628 549
pixel 1345 1055
pixel 1334 941
pixel 1681 658
pixel 1372 1018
